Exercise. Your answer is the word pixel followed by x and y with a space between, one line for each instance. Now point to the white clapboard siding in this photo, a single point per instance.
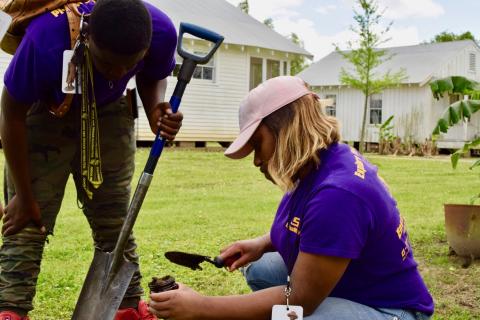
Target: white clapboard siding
pixel 210 108
pixel 412 104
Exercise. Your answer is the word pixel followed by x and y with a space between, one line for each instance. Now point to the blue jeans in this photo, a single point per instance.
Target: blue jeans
pixel 270 271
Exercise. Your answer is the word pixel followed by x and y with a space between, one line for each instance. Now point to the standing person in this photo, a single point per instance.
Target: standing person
pixel 337 231
pixel 125 38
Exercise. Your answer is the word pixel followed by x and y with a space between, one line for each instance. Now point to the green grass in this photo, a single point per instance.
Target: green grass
pixel 200 201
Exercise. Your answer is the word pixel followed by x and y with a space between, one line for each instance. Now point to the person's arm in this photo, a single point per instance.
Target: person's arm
pixel 247 251
pixel 159 112
pixel 312 280
pixel 23 208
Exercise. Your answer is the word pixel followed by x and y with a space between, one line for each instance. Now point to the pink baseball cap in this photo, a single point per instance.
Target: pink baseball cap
pixel 260 102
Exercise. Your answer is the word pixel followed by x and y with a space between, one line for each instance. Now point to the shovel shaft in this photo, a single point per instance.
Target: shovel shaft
pixel 127 226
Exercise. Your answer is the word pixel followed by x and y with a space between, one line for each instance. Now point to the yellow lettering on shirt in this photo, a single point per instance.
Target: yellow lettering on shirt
pixel 294 225
pixel 400 228
pixel 57 12
pixel 360 172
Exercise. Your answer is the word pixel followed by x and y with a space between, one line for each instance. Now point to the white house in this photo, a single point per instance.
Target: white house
pixel 251 53
pixel 412 104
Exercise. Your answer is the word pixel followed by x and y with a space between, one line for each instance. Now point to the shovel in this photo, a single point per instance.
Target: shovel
pixel 110 272
pixel 193 260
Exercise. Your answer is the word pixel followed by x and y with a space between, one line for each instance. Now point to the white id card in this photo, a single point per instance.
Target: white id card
pixel 280 312
pixel 5 20
pixel 68 74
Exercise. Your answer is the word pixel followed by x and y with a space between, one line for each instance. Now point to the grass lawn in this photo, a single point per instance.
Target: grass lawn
pixel 200 201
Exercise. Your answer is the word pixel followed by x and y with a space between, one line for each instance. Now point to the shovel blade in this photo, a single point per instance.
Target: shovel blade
pixel 103 289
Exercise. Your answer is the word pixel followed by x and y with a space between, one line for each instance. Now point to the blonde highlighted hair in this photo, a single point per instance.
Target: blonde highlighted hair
pixel 301 130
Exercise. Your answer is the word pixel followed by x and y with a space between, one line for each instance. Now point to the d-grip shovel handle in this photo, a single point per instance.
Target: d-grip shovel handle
pixel 185 74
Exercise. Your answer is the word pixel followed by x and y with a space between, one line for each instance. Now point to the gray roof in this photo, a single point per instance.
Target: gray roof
pixel 222 17
pixel 420 63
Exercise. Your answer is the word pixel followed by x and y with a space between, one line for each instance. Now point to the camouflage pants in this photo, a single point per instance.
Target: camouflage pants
pixel 54 155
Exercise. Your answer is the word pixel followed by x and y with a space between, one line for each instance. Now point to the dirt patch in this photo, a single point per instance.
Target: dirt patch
pixel 456 290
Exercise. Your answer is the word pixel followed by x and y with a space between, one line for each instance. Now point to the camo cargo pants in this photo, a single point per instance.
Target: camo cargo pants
pixel 54 155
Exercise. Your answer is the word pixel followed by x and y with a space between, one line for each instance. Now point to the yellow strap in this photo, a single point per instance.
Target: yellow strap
pixel 91 164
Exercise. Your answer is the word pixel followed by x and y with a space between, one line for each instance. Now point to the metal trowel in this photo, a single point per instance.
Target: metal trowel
pixel 192 260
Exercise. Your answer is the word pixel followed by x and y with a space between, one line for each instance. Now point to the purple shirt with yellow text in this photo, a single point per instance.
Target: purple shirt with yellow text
pixel 343 209
pixel 35 72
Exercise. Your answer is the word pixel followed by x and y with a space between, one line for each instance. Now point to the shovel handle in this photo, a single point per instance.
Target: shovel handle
pixel 184 76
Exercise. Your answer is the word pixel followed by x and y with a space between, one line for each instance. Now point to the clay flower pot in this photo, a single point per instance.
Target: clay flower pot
pixel 462 226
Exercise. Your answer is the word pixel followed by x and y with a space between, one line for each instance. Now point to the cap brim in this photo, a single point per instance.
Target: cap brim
pixel 240 148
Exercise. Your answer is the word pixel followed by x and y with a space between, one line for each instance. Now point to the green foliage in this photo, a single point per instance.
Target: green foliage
pixel 458 111
pixel 269 23
pixel 365 57
pixel 297 64
pixel 386 130
pixel 243 5
pixel 446 36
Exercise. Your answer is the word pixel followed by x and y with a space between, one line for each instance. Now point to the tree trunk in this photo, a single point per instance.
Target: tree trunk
pixel 364 125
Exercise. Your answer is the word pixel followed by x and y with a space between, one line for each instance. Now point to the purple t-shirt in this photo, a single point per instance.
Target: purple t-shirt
pixel 343 209
pixel 35 72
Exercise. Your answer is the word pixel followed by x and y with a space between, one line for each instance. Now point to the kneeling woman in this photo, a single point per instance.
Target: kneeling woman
pixel 337 235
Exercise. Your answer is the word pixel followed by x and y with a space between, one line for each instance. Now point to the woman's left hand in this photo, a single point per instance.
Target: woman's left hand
pixel 181 304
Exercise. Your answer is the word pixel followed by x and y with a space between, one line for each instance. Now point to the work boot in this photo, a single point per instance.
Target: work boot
pixel 10 315
pixel 141 313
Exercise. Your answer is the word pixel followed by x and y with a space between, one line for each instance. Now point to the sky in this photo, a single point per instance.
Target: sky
pixel 320 23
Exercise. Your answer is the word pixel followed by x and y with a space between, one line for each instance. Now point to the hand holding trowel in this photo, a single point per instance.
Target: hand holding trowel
pixel 192 260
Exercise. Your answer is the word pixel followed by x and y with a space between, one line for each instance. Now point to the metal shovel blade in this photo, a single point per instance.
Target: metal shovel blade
pixel 103 289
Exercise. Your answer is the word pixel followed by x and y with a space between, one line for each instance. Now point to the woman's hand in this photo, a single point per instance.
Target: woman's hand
pixel 181 304
pixel 248 251
pixel 161 117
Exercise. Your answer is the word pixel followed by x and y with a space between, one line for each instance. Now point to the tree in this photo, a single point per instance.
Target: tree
pixel 243 5
pixel 298 63
pixel 450 36
pixel 269 23
pixel 365 57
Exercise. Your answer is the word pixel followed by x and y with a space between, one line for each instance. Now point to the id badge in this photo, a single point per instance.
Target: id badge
pixel 280 312
pixel 5 21
pixel 69 74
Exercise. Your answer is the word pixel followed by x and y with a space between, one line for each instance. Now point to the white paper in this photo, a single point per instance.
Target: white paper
pixel 68 87
pixel 280 312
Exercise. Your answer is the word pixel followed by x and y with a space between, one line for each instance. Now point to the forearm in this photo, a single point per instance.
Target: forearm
pixel 13 132
pixel 151 92
pixel 267 243
pixel 256 305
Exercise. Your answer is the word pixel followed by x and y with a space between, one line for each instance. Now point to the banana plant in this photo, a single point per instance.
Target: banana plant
pixel 458 111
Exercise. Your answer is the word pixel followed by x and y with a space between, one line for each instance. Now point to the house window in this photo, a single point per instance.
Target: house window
pixel 375 109
pixel 331 109
pixel 285 68
pixel 273 68
pixel 204 71
pixel 256 66
pixel 473 62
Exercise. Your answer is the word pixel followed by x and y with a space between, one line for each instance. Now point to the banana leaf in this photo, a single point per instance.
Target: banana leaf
pixel 466 148
pixel 455 113
pixel 454 85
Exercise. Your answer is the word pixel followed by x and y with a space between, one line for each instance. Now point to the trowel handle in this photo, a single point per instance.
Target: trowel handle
pixel 220 263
